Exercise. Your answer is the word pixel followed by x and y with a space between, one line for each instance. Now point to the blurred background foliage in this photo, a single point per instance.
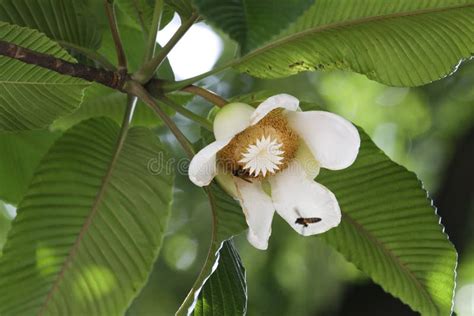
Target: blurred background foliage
pixel 428 129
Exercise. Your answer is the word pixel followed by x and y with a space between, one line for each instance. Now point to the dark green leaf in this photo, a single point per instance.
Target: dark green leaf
pixel 390 231
pixel 62 20
pixel 225 292
pixel 32 97
pixel 79 244
pixel 21 153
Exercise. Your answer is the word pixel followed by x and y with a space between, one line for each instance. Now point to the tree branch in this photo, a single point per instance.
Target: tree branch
pixel 121 57
pixel 114 80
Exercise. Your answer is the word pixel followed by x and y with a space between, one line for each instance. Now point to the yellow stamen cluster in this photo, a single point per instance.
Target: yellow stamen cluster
pixel 273 126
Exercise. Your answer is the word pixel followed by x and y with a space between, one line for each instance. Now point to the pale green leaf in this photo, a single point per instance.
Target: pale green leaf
pixel 79 244
pixel 401 43
pixel 225 292
pixel 21 154
pixel 62 20
pixel 391 232
pixel 32 97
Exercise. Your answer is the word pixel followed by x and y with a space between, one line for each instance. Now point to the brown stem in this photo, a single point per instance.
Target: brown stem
pixel 121 57
pixel 206 94
pixel 114 80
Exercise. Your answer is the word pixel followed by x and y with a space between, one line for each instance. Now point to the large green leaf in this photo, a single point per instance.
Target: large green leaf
pixel 390 231
pixel 83 243
pixel 249 22
pixel 227 221
pixel 32 97
pixel 21 154
pixel 401 43
pixel 63 20
pixel 225 292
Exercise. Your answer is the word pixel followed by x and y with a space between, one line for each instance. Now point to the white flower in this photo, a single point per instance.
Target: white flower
pixel 277 146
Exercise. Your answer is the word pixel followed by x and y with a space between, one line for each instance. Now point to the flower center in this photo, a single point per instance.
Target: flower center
pixel 262 149
pixel 263 156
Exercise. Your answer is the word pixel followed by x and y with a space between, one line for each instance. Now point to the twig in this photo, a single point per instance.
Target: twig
pixel 121 57
pixel 135 88
pixel 114 80
pixel 185 112
pixel 146 72
pixel 206 94
pixel 178 85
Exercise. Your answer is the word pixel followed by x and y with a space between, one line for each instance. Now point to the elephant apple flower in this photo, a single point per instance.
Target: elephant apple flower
pixel 268 157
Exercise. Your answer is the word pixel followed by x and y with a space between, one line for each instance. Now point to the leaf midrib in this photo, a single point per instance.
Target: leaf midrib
pixel 393 257
pixel 320 29
pixel 117 149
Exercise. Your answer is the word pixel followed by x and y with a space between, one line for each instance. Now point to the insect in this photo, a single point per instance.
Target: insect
pixel 239 173
pixel 306 220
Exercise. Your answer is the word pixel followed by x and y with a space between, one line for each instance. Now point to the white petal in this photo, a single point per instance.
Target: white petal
pixel 284 101
pixel 333 140
pixel 203 167
pixel 306 159
pixel 258 209
pixel 232 119
pixel 295 196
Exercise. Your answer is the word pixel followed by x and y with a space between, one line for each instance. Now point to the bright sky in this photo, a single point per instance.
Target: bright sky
pixel 197 51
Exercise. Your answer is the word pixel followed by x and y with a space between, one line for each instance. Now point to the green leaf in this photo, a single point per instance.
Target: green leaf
pixel 390 230
pixel 404 43
pixel 5 222
pixel 225 292
pixel 63 20
pixel 103 101
pixel 249 22
pixel 141 12
pixel 183 7
pixel 21 154
pixel 82 242
pixel 32 97
pixel 227 221
pixel 134 46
